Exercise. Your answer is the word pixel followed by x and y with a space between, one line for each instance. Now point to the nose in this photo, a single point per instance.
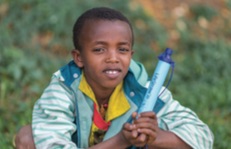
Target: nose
pixel 112 57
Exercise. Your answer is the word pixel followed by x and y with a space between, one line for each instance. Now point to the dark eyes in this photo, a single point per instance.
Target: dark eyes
pixel 123 50
pixel 100 50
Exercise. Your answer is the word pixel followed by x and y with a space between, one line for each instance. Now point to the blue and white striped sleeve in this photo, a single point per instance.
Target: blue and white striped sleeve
pixel 184 123
pixel 53 118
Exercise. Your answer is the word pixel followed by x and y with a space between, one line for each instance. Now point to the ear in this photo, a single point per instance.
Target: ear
pixel 76 54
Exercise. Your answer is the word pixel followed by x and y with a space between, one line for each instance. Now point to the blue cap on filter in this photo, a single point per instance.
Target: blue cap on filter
pixel 166 56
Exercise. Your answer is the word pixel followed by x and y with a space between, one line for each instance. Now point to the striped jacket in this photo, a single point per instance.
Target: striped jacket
pixel 62 117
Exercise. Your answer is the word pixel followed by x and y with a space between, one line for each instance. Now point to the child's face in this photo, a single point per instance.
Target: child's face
pixel 106 53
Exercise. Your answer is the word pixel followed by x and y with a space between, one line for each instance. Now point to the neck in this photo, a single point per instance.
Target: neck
pixel 103 97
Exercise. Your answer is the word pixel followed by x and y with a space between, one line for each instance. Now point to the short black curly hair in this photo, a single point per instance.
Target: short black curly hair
pixel 98 13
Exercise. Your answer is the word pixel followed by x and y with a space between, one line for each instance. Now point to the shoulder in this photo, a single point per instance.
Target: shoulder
pixel 68 73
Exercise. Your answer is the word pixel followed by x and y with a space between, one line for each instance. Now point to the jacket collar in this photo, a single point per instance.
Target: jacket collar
pixel 134 81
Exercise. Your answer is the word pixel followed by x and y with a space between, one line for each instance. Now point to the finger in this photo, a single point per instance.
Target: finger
pixel 134 115
pixel 147 119
pixel 140 141
pixel 134 134
pixel 151 135
pixel 148 132
pixel 142 137
pixel 129 127
pixel 150 114
pixel 146 125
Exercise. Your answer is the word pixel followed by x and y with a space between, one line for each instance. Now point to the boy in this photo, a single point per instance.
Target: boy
pixel 92 101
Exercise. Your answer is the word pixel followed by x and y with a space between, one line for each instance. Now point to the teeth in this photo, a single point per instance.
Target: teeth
pixel 111 71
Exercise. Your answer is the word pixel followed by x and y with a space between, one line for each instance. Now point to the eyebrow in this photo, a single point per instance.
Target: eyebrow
pixel 105 43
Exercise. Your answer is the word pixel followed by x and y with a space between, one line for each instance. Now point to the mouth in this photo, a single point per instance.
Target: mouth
pixel 112 73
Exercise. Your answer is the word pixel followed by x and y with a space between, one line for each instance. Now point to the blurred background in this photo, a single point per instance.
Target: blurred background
pixel 36 40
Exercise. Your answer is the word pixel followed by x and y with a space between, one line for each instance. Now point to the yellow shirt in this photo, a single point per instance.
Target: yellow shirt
pixel 117 106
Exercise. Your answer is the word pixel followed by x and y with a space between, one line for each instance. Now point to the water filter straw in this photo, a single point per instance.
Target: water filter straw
pixel 158 78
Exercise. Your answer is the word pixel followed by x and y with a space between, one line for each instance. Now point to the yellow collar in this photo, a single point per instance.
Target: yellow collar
pixel 118 103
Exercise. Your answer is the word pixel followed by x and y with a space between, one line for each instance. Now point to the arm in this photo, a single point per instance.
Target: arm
pixel 168 140
pixel 24 138
pixel 184 124
pixel 53 118
pixel 147 127
pixel 127 137
pixel 177 127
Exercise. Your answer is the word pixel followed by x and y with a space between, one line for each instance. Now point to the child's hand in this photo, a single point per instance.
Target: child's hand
pixel 146 126
pixel 132 137
pixel 142 131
